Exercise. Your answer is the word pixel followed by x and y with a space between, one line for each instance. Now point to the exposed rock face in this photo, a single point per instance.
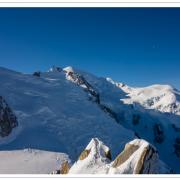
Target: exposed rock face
pixel 110 112
pixel 64 168
pixel 124 155
pixel 158 133
pixel 147 160
pixel 138 157
pixel 177 146
pixel 8 120
pixel 108 154
pixel 81 81
pixel 84 154
pixel 37 74
pixel 93 94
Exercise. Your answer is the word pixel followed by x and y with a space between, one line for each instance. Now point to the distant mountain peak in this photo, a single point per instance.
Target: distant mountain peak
pixel 163 98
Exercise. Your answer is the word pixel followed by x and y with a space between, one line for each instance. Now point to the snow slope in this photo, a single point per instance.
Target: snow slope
pixel 30 161
pixel 55 114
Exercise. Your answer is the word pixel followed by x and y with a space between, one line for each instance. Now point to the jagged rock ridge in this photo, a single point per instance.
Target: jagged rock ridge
pixel 93 93
pixel 138 157
pixel 8 120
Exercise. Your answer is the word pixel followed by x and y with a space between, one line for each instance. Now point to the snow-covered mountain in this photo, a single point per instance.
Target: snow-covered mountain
pixel 61 110
pixel 163 98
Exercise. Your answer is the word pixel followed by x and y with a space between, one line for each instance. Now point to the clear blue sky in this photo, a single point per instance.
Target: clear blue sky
pixel 135 46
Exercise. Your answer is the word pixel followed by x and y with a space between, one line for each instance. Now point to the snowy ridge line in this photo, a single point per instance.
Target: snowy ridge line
pixel 94 95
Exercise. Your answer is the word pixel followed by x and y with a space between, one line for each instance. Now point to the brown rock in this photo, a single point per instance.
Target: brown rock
pixel 84 154
pixel 123 156
pixel 140 164
pixel 64 168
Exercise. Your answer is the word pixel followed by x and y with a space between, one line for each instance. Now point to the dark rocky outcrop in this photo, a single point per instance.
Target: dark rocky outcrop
pixel 93 94
pixel 8 120
pixel 108 154
pixel 81 81
pixel 158 133
pixel 58 69
pixel 37 74
pixel 110 112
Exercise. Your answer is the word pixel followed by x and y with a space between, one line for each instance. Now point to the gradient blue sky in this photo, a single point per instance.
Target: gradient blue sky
pixel 132 45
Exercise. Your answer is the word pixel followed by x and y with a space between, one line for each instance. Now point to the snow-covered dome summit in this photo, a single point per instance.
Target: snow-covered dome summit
pixel 163 98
